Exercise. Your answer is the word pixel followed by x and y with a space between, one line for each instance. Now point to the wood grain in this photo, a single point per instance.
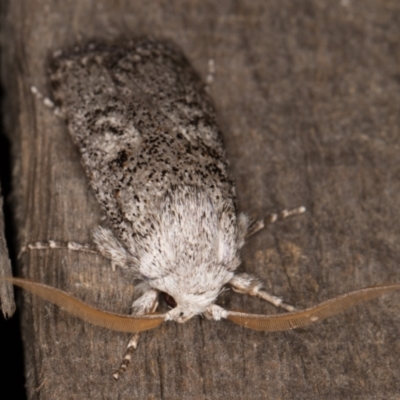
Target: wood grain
pixel 7 303
pixel 307 95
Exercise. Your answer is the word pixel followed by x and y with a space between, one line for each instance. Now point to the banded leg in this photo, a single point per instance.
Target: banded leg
pixel 53 244
pixel 257 225
pixel 45 100
pixel 248 284
pixel 210 75
pixel 145 304
pixel 106 245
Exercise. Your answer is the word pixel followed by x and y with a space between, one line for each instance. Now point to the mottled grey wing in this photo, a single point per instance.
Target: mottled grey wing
pixel 143 124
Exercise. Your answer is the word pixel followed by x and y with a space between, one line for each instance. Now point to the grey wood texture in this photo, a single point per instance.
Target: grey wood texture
pixel 307 94
pixel 7 304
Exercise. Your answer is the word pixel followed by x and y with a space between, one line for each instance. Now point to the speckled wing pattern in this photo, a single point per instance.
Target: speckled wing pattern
pixel 144 124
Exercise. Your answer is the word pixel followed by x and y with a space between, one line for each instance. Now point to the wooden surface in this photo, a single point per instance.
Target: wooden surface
pixel 7 303
pixel 308 96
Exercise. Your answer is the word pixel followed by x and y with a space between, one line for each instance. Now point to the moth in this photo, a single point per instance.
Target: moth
pixel 151 147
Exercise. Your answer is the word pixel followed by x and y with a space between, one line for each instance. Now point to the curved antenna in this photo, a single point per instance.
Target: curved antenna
pixel 116 322
pixel 298 319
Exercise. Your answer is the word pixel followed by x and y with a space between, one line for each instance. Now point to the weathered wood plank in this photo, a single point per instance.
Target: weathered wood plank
pixel 6 291
pixel 307 94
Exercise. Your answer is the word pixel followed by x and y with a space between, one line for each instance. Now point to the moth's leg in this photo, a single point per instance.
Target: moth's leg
pixel 260 224
pixel 210 75
pixel 106 244
pixel 45 100
pixel 52 244
pixel 145 304
pixel 248 284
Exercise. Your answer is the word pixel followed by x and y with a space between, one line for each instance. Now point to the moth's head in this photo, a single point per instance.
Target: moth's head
pixel 180 315
pixel 189 305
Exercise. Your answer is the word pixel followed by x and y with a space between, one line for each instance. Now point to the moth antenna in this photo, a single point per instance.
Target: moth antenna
pixel 116 322
pixel 299 319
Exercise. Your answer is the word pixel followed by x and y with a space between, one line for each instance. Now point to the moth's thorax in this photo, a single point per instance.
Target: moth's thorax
pixel 191 229
pixel 192 250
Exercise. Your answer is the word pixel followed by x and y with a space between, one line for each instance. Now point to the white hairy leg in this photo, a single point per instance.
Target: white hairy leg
pixel 248 284
pixel 45 100
pixel 260 224
pixel 210 74
pixel 106 244
pixel 145 304
pixel 53 244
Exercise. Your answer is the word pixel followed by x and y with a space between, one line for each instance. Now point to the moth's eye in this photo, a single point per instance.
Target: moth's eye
pixel 169 300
